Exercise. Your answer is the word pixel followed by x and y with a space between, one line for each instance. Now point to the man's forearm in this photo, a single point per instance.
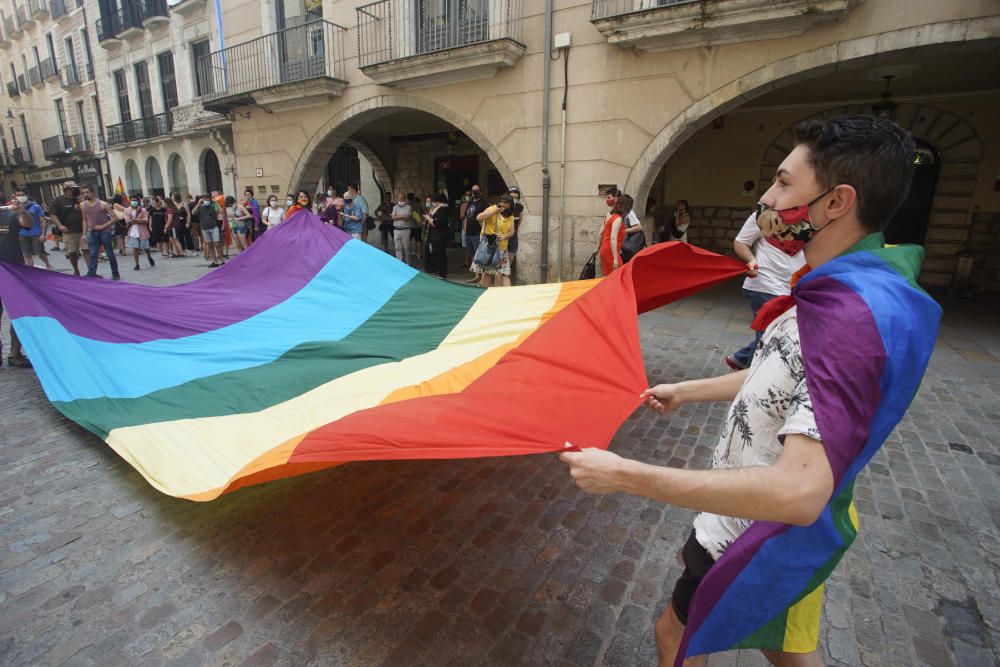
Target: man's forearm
pixel 743 251
pixel 721 388
pixel 759 493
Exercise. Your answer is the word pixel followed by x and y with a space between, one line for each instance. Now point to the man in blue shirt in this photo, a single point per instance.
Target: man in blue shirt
pixel 31 238
pixel 353 215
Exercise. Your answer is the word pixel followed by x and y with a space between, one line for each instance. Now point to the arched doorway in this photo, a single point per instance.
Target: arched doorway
pixel 154 177
pixel 211 171
pixel 177 174
pixel 344 167
pixel 133 182
pixel 909 225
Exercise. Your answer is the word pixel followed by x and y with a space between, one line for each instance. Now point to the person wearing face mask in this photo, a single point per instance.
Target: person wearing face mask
pixel 383 214
pixel 272 214
pixel 359 200
pixel 471 228
pixel 402 213
pixel 612 235
pixel 255 227
pixel 65 213
pixel 211 230
pixel 302 203
pixel 353 216
pixel 182 224
pixel 137 220
pixel 840 360
pixel 497 228
pixel 770 267
pixel 328 213
pixel 31 237
pixel 440 235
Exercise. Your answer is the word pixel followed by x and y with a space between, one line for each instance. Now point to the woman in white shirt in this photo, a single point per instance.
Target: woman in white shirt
pixel 272 215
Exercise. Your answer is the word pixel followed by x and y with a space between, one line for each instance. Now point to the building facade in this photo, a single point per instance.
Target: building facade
pixel 51 115
pixel 664 99
pixel 159 139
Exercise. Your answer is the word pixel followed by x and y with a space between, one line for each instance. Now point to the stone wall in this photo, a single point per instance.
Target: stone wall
pixel 715 227
pixel 985 240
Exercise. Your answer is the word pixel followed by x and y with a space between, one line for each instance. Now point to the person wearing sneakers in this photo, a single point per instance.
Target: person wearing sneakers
pixel 770 266
pixel 31 237
pixel 11 223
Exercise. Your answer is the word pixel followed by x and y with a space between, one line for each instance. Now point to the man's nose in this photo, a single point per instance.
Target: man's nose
pixel 768 198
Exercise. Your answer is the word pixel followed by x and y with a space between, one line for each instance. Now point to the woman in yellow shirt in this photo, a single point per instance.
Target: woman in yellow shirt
pixel 497 229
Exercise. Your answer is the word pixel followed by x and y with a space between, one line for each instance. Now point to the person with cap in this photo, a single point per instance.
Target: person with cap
pixel 353 216
pixel 65 214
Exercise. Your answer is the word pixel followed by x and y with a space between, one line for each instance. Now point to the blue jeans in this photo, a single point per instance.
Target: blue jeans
pixel 471 243
pixel 95 240
pixel 744 355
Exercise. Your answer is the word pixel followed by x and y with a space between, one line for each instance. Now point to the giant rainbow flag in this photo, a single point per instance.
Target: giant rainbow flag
pixel 866 331
pixel 312 349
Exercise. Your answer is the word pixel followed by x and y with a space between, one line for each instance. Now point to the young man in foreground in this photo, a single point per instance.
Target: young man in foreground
pixel 839 362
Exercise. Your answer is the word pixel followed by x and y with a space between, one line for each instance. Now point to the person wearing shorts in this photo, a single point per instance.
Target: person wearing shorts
pixel 65 213
pixel 30 238
pixel 211 230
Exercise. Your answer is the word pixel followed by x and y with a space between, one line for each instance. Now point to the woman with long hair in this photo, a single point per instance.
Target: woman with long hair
pixel 681 221
pixel 240 220
pixel 492 258
pixel 613 234
pixel 302 202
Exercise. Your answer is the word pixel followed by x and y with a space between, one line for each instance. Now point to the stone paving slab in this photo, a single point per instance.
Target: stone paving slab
pixel 496 561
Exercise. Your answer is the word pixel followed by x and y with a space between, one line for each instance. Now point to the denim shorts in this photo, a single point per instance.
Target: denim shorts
pixel 212 235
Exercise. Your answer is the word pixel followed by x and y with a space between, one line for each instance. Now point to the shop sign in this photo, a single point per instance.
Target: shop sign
pixel 57 174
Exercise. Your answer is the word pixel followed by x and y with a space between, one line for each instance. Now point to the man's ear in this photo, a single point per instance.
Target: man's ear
pixel 843 200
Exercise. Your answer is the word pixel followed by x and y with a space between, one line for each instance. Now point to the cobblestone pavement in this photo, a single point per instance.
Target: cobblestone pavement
pixel 483 562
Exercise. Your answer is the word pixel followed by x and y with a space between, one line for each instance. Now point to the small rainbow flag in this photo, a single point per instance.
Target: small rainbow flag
pixel 119 188
pixel 866 331
pixel 339 353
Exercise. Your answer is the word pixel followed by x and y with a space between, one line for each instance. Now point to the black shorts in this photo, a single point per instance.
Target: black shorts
pixel 697 562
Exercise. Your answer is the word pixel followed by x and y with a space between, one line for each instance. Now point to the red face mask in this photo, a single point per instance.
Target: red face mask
pixel 610 201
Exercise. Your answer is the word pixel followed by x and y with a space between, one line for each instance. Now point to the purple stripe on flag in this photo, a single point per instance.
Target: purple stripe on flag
pixel 252 282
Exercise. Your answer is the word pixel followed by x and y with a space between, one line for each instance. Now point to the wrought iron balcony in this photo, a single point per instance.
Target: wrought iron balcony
pixel 39 9
pixel 12 90
pixel 60 146
pixel 23 157
pixel 274 69
pixel 665 25
pixel 23 84
pixel 130 20
pixel 154 13
pixel 22 17
pixel 107 32
pixel 47 69
pixel 70 77
pixel 139 129
pixel 34 76
pixel 9 33
pixel 410 45
pixel 58 9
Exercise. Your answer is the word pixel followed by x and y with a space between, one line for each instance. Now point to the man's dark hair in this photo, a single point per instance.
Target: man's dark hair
pixel 872 155
pixel 354 186
pixel 613 192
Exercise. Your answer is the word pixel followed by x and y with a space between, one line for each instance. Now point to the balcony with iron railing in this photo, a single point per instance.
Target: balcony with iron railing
pixel 58 9
pixel 140 129
pixel 66 146
pixel 416 44
pixel 39 9
pixel 22 17
pixel 48 70
pixel 666 25
pixel 291 68
pixel 70 77
pixel 9 33
pixel 22 157
pixel 34 76
pixel 107 32
pixel 12 90
pixel 154 14
pixel 130 20
pixel 23 84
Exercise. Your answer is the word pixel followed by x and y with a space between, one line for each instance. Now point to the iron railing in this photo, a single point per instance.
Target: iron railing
pixel 38 8
pixel 130 16
pixel 604 9
pixel 47 69
pixel 8 28
pixel 23 84
pixel 22 156
pixel 34 76
pixel 309 51
pixel 22 16
pixel 394 29
pixel 107 28
pixel 141 128
pixel 12 90
pixel 57 8
pixel 154 8
pixel 65 145
pixel 70 77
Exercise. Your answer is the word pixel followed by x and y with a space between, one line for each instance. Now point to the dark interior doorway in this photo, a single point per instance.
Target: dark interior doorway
pixel 344 167
pixel 213 173
pixel 909 225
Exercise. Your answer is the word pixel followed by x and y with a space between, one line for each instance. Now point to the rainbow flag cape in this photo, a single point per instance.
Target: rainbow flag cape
pixel 339 353
pixel 867 331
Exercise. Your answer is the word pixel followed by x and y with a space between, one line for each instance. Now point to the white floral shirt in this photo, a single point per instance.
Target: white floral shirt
pixel 772 403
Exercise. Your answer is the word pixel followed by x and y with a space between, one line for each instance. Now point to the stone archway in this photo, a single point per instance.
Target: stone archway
pixel 960 150
pixel 794 69
pixel 338 129
pixel 133 181
pixel 375 160
pixel 177 174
